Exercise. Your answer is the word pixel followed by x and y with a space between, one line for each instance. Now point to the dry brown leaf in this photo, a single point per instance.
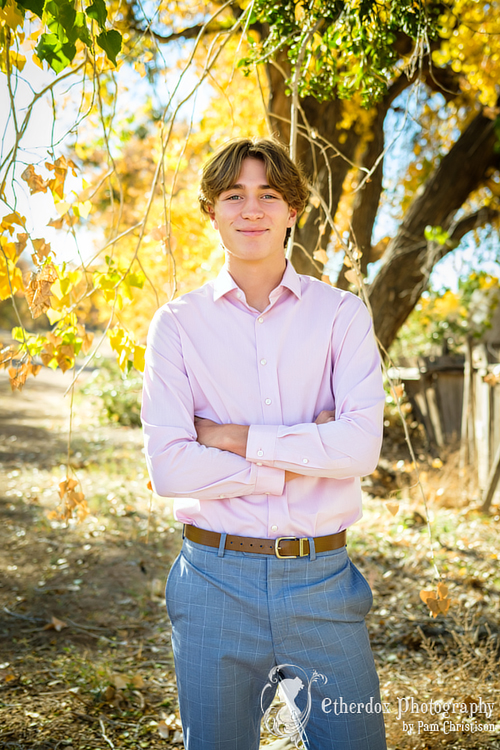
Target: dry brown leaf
pixel 149 486
pixel 56 223
pixel 119 681
pixel 442 590
pixel 55 624
pixel 352 276
pixel 19 375
pixel 60 169
pixel 36 183
pixel 444 605
pixel 64 362
pixel 22 240
pixel 38 289
pixel 55 340
pixel 437 604
pixel 398 391
pixel 425 595
pixel 137 681
pixel 393 508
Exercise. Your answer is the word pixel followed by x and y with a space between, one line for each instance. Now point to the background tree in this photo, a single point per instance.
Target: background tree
pixel 336 74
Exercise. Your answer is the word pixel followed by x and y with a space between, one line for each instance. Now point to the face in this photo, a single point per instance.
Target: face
pixel 251 217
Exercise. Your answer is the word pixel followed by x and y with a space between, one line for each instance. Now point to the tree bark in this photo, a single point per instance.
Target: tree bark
pixel 409 258
pixel 326 154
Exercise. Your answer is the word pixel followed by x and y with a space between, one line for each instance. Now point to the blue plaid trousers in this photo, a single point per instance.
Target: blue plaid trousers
pixel 243 622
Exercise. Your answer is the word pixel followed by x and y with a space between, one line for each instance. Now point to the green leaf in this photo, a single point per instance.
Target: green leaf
pixel 35 6
pixel 111 43
pixel 98 12
pixel 17 334
pixel 50 49
pixel 81 30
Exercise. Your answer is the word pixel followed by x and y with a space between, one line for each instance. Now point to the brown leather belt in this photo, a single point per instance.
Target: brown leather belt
pixel 283 546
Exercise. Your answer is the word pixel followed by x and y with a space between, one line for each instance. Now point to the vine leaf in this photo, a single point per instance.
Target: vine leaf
pixel 438 604
pixel 111 42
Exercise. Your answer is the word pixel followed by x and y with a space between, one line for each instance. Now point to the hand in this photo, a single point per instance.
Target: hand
pixel 325 416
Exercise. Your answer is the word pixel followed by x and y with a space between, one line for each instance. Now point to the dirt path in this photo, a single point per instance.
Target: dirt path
pixel 84 636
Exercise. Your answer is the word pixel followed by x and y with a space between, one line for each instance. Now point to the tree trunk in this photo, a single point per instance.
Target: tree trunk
pixel 409 257
pixel 326 155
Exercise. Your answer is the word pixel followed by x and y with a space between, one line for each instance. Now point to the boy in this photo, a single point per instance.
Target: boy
pixel 262 408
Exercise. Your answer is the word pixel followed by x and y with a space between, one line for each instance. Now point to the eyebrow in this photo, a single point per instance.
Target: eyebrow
pixel 239 186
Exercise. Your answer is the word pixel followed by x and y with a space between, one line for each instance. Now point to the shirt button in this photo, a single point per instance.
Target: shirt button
pixel 261 320
pixel 238 294
pixel 305 460
pixel 263 361
pixel 268 401
pixel 274 528
pixel 222 496
pixel 260 453
pixel 259 463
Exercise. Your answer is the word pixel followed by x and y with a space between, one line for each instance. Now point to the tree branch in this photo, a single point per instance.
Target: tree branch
pixel 191 32
pixel 409 258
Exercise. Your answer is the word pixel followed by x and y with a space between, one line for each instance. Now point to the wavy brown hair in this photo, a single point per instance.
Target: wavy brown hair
pixel 221 172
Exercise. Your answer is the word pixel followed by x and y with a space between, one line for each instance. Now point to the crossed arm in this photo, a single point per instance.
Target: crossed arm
pixel 233 437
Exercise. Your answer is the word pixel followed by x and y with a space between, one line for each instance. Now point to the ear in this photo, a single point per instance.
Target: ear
pixel 211 214
pixel 292 217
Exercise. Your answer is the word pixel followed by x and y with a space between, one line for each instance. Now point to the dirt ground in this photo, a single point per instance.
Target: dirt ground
pixel 85 656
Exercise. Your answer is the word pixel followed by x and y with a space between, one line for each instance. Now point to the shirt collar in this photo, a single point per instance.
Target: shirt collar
pixel 224 283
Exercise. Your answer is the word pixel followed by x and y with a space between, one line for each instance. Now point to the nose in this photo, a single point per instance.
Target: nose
pixel 252 208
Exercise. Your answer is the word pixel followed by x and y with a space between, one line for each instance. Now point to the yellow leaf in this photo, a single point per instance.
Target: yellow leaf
pixel 299 12
pixel 11 16
pixel 62 207
pixel 84 208
pixel 139 362
pixel 321 256
pixel 352 277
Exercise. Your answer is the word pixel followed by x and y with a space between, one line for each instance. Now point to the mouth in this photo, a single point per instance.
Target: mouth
pixel 252 232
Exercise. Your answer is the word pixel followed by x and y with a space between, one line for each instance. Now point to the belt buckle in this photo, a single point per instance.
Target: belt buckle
pixel 301 541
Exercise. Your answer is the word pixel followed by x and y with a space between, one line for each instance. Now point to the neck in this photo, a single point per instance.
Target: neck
pixel 256 280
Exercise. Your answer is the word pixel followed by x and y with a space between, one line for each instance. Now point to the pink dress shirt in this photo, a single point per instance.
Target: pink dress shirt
pixel 209 354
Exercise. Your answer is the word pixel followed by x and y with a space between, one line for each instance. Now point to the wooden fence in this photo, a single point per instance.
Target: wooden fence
pixel 457 399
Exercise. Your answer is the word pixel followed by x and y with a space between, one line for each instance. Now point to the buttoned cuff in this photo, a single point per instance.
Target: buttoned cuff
pixel 261 443
pixel 268 481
